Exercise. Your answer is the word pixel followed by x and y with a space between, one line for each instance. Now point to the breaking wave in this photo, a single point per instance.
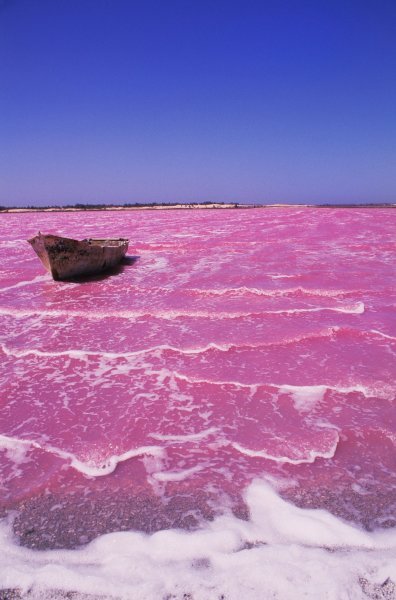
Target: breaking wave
pixel 92 467
pixel 356 308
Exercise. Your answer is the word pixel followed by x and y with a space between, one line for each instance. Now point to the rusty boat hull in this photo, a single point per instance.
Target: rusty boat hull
pixel 66 258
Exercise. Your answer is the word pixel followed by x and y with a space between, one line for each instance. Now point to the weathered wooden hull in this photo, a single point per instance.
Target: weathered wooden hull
pixel 66 258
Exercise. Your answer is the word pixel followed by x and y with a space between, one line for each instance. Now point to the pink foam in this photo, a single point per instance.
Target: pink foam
pixel 239 343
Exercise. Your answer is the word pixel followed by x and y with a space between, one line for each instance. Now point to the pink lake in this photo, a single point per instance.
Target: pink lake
pixel 241 364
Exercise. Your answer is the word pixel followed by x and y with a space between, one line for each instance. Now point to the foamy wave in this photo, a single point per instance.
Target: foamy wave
pixel 309 458
pixel 381 334
pixel 36 279
pixel 353 309
pixel 83 354
pixel 221 347
pixel 281 552
pixel 357 308
pixel 246 291
pixel 92 467
pixel 298 391
pixel 304 396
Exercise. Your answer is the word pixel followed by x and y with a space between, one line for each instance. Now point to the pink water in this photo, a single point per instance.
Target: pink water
pixel 239 344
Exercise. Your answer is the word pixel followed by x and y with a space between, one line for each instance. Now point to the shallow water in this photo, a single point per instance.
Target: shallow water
pixel 235 375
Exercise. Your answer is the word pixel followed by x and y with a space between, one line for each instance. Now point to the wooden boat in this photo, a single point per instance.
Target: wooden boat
pixel 66 258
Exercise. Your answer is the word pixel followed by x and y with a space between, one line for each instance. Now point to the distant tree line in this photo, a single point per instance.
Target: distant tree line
pixel 81 206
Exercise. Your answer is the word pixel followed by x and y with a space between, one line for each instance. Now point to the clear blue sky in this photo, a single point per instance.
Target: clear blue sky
pixel 179 100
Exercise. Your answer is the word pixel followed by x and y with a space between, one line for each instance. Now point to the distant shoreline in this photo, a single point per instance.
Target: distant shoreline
pixel 125 207
pixel 176 206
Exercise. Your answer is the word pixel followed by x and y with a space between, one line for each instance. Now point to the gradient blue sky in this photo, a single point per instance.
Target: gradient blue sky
pixel 177 100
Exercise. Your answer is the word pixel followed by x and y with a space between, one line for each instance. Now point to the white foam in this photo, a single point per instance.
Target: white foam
pixel 305 397
pixel 190 437
pixel 352 309
pixel 92 466
pixel 165 476
pixel 14 451
pixel 285 523
pixel 283 552
pixel 159 263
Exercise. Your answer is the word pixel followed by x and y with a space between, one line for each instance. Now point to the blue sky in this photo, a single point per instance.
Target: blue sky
pixel 178 100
